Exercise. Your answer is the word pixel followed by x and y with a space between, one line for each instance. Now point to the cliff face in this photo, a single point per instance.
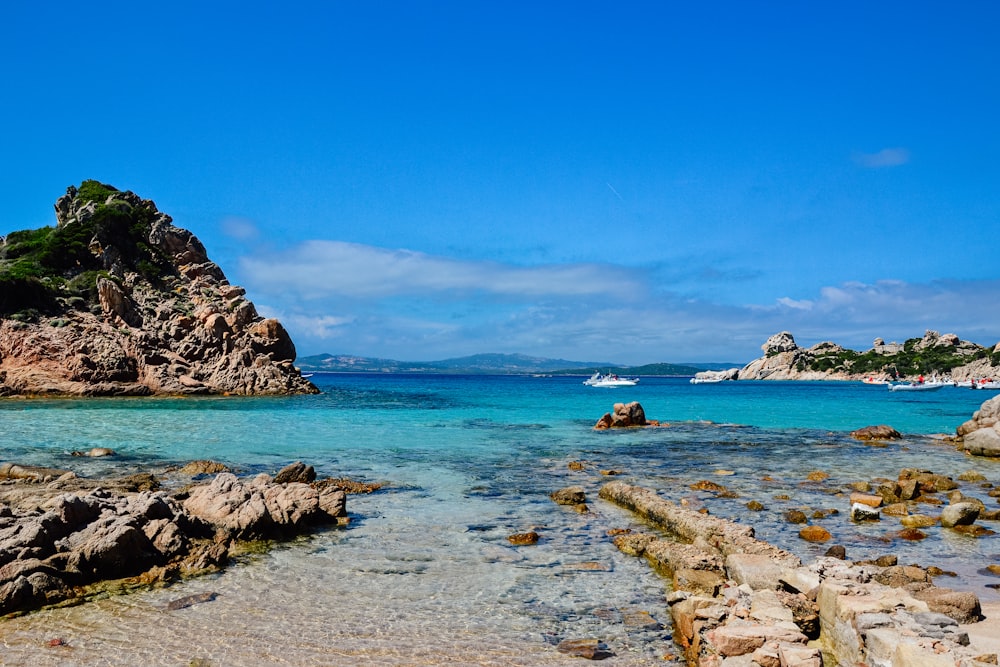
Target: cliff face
pixel 116 300
pixel 934 353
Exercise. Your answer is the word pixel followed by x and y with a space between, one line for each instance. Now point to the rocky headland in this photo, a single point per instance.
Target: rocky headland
pixel 934 353
pixel 116 300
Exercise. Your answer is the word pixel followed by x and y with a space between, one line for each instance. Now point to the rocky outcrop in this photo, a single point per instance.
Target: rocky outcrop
pixel 784 360
pixel 736 600
pixel 60 547
pixel 624 415
pixel 980 436
pixel 139 309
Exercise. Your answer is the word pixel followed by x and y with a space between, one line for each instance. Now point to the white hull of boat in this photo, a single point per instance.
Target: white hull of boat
pixel 616 383
pixel 598 380
pixel 926 386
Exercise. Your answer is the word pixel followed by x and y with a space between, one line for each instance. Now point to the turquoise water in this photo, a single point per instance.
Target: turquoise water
pixel 425 574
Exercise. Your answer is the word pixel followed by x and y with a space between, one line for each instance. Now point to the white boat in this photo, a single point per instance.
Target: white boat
pixel 986 384
pixel 916 386
pixel 610 380
pixel 706 380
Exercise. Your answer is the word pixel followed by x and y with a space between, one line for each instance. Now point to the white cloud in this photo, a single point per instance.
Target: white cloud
pixel 887 157
pixel 317 269
pixel 796 305
pixel 240 229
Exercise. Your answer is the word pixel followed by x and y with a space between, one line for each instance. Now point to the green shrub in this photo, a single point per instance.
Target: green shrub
pixel 94 191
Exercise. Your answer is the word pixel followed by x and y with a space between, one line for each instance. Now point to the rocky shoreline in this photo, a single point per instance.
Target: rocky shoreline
pixel 739 601
pixel 65 539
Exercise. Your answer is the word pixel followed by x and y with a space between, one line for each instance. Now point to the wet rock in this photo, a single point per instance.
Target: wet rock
pixel 755 506
pixel 203 467
pixel 918 521
pixel 866 499
pixel 959 514
pixel 590 649
pixel 190 601
pixel 815 534
pixel 836 551
pixel 911 534
pixel 571 495
pixel 523 539
pixel 795 516
pixel 296 472
pixel 711 487
pixel 861 512
pixel 881 432
pixel 95 452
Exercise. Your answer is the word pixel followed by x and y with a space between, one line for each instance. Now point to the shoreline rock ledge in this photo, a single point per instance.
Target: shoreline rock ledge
pixel 68 540
pixel 115 300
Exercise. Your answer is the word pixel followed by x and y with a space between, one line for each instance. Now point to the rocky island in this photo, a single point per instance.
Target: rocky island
pixel 115 300
pixel 933 354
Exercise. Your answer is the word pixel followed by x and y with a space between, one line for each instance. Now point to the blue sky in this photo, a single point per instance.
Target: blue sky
pixel 625 182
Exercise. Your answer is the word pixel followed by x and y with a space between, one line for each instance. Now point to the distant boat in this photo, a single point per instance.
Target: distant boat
pixel 706 380
pixel 916 386
pixel 610 380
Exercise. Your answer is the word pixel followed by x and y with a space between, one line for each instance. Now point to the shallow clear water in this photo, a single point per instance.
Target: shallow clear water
pixel 425 574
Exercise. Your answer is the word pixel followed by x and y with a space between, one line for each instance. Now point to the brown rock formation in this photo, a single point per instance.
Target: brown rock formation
pixel 60 541
pixel 130 305
pixel 625 415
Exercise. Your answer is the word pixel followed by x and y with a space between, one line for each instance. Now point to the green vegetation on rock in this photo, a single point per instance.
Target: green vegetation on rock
pixel 43 268
pixel 913 359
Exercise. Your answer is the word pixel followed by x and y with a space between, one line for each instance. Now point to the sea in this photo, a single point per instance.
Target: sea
pixel 424 574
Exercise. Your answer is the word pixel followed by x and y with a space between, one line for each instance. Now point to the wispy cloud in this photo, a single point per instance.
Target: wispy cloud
pixel 317 269
pixel 344 298
pixel 887 157
pixel 241 229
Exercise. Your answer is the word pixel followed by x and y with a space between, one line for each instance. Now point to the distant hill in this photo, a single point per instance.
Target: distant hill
pixel 486 364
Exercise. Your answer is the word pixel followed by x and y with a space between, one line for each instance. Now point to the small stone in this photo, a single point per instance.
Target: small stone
pixel 523 539
pixel 705 485
pixel 836 551
pixel 591 649
pixel 918 521
pixel 881 432
pixel 815 534
pixel 817 476
pixel 725 473
pixel 861 512
pixel 755 506
pixel 796 516
pixel 572 495
pixel 912 534
pixel 575 465
pixel 972 476
pixel 866 499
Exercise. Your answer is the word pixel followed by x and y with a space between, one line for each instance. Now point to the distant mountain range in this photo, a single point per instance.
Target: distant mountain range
pixel 493 364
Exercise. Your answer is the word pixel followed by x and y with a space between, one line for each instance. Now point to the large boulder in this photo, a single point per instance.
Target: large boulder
pixel 625 415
